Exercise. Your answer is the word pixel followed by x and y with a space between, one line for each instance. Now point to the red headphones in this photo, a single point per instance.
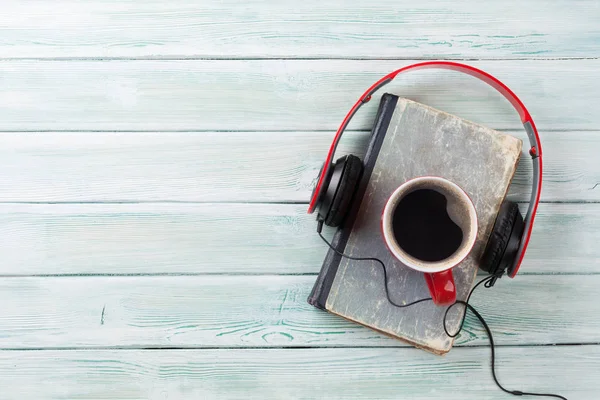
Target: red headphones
pixel 510 236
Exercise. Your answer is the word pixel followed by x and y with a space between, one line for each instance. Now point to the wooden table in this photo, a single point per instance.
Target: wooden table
pixel 156 158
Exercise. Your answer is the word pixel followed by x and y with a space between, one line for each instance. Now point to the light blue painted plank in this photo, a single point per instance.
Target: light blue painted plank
pixel 311 28
pixel 232 166
pixel 297 374
pixel 278 94
pixel 172 238
pixel 265 311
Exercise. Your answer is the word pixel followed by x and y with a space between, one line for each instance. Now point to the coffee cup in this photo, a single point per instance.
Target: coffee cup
pixel 430 225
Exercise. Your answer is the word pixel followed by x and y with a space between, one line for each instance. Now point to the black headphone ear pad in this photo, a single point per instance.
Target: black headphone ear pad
pixel 500 236
pixel 345 190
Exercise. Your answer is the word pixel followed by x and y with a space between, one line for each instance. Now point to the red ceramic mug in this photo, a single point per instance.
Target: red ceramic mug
pixel 430 225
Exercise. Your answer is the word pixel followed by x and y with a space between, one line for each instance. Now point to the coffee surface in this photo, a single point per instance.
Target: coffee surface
pixel 423 228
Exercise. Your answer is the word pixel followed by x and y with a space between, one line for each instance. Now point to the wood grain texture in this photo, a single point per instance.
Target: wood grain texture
pixel 297 373
pixel 48 239
pixel 180 28
pixel 232 166
pixel 279 94
pixel 106 70
pixel 264 311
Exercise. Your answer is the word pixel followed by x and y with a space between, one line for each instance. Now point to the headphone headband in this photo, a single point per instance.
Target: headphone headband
pixel 535 150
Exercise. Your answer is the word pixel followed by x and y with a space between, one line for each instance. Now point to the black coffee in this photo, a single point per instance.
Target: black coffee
pixel 423 228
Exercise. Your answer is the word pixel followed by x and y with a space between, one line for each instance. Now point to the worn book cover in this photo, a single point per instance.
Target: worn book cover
pixel 410 140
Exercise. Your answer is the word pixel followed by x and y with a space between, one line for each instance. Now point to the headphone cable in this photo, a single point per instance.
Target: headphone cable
pixel 488 282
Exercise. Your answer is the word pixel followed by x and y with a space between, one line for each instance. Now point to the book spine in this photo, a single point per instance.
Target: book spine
pixel 320 291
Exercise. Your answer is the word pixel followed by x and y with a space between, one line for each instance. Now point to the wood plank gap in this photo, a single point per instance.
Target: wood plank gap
pixel 266 130
pixel 224 348
pixel 282 202
pixel 317 58
pixel 167 274
pixel 238 274
pixel 252 202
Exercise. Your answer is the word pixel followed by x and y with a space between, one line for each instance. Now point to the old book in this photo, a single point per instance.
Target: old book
pixel 410 140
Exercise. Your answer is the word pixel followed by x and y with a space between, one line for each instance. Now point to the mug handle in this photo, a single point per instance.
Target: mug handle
pixel 442 288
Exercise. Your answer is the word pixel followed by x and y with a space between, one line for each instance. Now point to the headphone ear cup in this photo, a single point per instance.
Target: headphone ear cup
pixel 341 191
pixel 506 227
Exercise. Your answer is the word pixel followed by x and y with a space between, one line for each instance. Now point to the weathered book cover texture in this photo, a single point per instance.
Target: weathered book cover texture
pixel 410 140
